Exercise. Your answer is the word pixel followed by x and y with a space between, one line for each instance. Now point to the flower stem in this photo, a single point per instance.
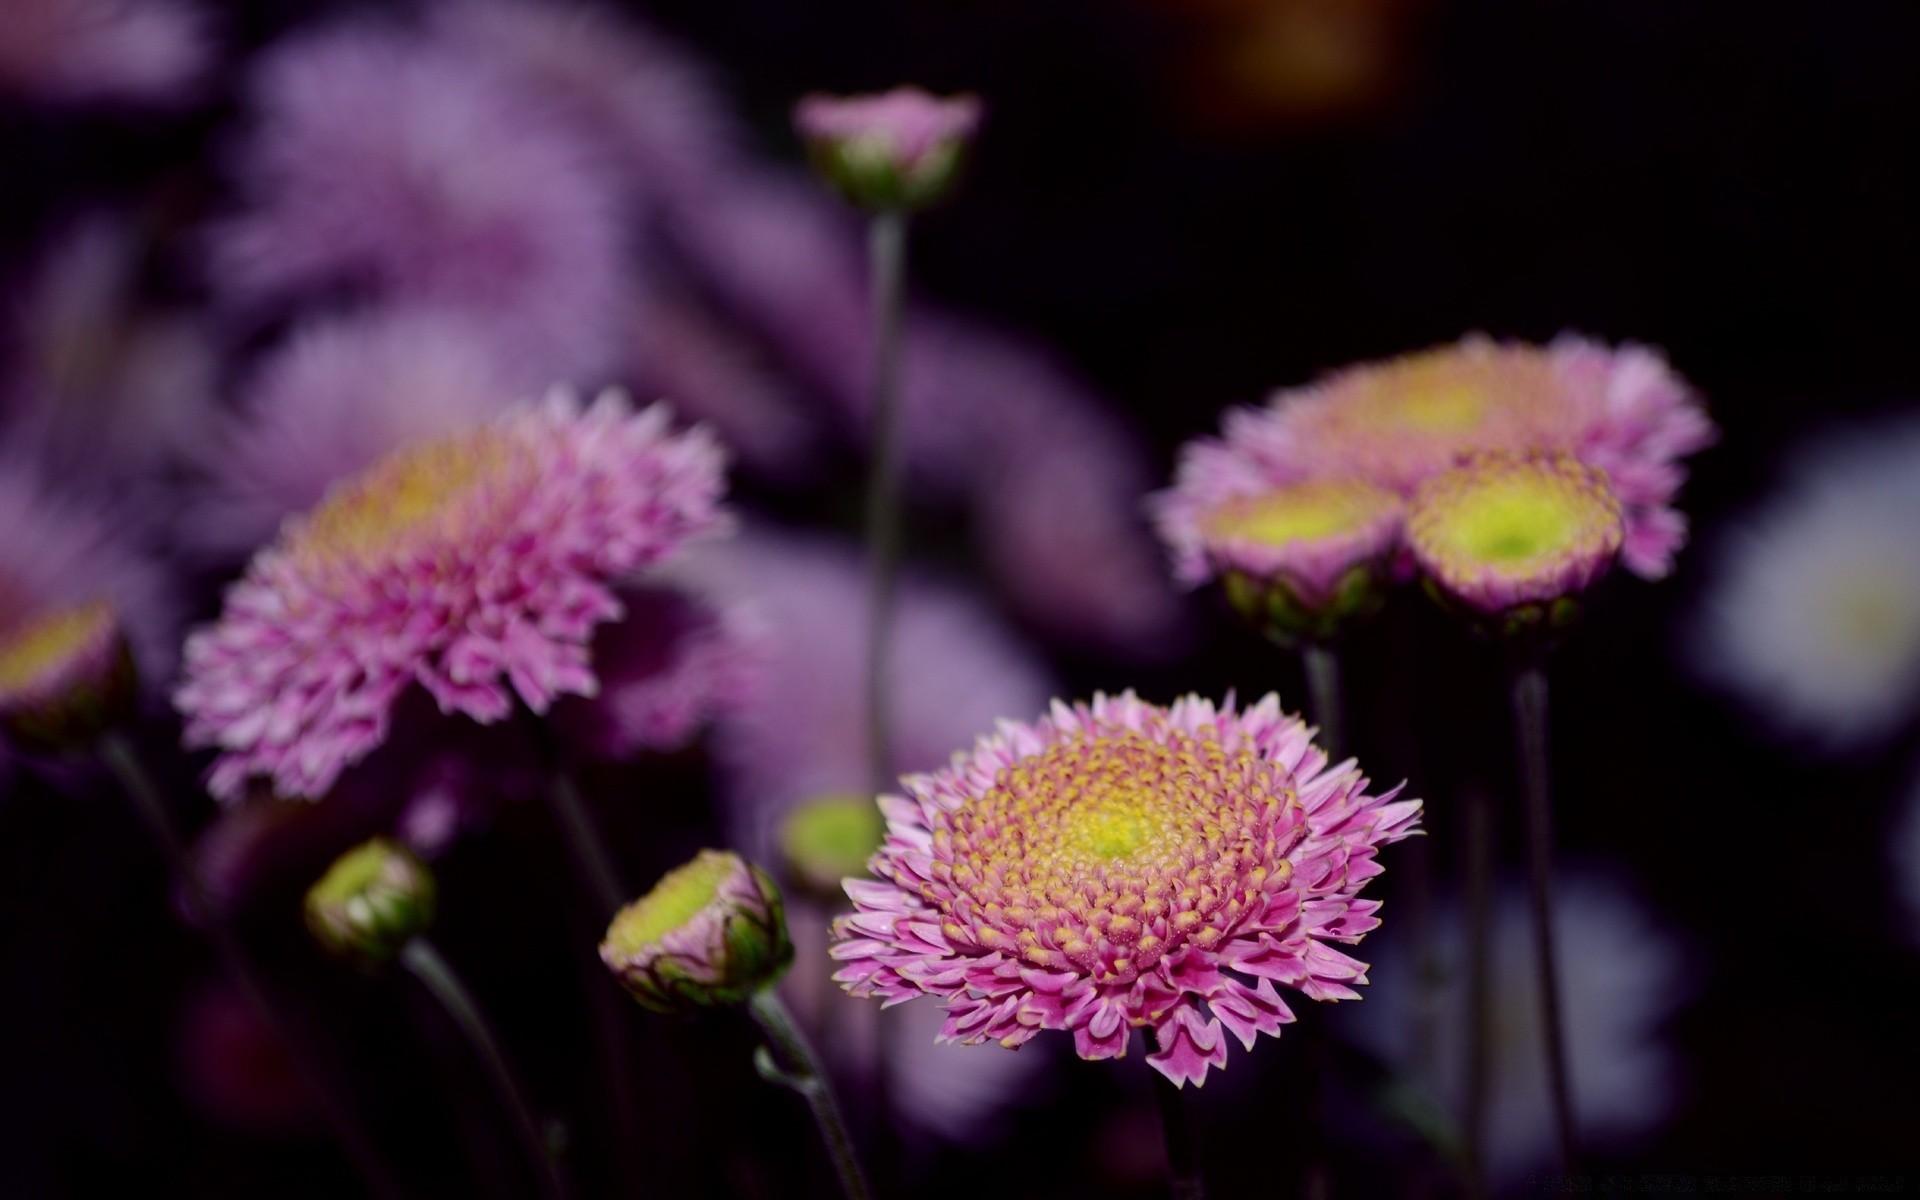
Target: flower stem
pixel 788 1059
pixel 887 252
pixel 1183 1150
pixel 426 964
pixel 1479 1009
pixel 1323 695
pixel 585 843
pixel 1530 728
pixel 123 762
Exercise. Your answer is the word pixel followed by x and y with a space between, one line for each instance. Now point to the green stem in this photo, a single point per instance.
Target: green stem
pixel 1479 1008
pixel 426 964
pixel 793 1064
pixel 123 762
pixel 887 253
pixel 586 845
pixel 1530 728
pixel 1323 695
pixel 1183 1150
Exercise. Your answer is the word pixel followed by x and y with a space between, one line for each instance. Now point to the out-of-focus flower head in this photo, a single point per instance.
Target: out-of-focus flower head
pixel 1121 865
pixel 98 384
pixel 236 1070
pixel 710 933
pixel 108 52
pixel 1814 617
pixel 891 150
pixel 804 735
pixel 826 839
pixel 371 902
pixel 392 167
pixel 1399 422
pixel 1623 973
pixel 64 567
pixel 676 661
pixel 477 565
pixel 1515 538
pixel 65 677
pixel 331 400
pixel 1298 559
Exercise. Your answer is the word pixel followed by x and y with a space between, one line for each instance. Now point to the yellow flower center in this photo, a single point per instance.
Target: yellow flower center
pixel 681 893
pixel 42 645
pixel 1515 517
pixel 1103 853
pixel 1300 512
pixel 409 492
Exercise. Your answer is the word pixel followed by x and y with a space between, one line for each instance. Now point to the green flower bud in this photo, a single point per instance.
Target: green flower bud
pixel 66 677
pixel 710 933
pixel 371 902
pixel 827 839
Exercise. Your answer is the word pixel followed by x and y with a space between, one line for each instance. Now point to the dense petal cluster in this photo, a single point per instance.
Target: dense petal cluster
pixel 1122 865
pixel 1498 531
pixel 477 565
pixel 1400 422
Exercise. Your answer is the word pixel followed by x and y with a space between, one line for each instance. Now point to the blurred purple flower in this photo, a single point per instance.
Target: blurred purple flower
pixel 331 400
pixel 113 52
pixel 97 385
pixel 394 167
pixel 677 660
pixel 1623 974
pixel 58 551
pixel 956 671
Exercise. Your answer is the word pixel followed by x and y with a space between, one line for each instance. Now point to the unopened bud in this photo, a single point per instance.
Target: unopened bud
pixel 371 902
pixel 710 933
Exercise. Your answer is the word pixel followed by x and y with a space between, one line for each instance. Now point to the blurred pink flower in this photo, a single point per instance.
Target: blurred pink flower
pixel 1121 865
pixel 332 399
pixel 477 565
pixel 142 52
pixel 804 734
pixel 1402 420
pixel 895 149
pixel 677 660
pixel 395 167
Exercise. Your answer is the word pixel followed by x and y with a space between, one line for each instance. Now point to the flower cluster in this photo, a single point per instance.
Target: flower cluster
pixel 1275 498
pixel 477 565
pixel 1121 865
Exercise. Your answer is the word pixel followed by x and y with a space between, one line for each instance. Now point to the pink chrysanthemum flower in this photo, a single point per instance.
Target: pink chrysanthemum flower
pixel 1121 865
pixel 1399 422
pixel 1499 532
pixel 477 565
pixel 1307 536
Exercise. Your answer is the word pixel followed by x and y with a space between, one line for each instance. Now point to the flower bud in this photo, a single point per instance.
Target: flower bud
pixel 710 933
pixel 1305 560
pixel 1508 542
pixel 895 150
pixel 66 677
pixel 827 839
pixel 371 902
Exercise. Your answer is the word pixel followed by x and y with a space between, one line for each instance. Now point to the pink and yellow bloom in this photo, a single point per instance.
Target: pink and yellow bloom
pixel 477 565
pixel 1399 422
pixel 1498 532
pixel 1122 865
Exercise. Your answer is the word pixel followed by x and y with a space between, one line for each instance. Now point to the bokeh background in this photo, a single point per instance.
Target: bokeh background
pixel 1175 206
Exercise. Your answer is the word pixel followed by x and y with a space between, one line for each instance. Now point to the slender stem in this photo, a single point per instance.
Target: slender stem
pixel 794 1064
pixel 1530 727
pixel 1183 1150
pixel 1323 695
pixel 123 761
pixel 887 250
pixel 425 963
pixel 1479 1009
pixel 585 843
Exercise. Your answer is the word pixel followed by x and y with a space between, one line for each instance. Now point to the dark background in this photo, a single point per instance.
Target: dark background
pixel 1735 183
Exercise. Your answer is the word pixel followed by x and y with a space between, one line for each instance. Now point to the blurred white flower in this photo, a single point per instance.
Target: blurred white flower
pixel 1622 975
pixel 1815 617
